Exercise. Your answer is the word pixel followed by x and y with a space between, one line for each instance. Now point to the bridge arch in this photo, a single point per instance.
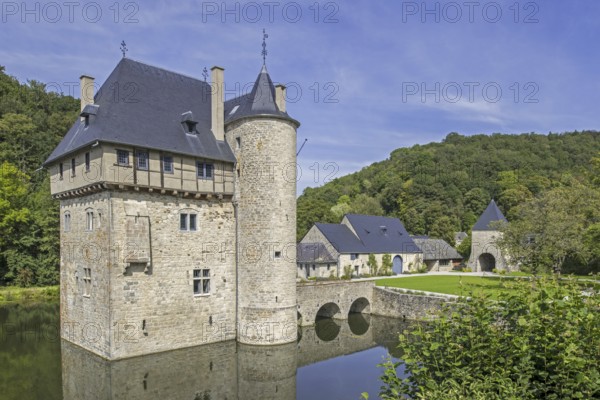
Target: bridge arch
pixel 360 305
pixel 330 310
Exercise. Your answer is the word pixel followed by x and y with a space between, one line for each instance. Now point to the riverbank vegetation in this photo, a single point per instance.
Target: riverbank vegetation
pixel 539 340
pixel 13 294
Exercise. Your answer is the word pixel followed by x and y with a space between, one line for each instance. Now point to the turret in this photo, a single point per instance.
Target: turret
pixel 263 138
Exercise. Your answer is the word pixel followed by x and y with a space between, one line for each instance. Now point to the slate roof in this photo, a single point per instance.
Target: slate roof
pixel 142 105
pixel 313 253
pixel 373 235
pixel 491 214
pixel 260 101
pixel 341 238
pixel 436 249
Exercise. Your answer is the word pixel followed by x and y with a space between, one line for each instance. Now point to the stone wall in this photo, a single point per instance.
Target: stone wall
pixel 395 304
pixel 484 242
pixel 266 196
pixel 313 296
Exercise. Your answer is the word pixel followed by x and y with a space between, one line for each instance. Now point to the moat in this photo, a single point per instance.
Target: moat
pixel 333 360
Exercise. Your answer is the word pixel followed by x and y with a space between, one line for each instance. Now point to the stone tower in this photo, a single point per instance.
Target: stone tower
pixel 263 138
pixel 485 254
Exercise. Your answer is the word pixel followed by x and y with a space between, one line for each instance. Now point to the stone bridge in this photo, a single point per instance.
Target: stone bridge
pixel 333 299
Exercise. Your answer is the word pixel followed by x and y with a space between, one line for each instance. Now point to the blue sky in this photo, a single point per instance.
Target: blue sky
pixel 389 73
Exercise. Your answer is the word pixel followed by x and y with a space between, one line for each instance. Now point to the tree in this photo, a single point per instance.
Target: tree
pixel 541 340
pixel 464 248
pixel 443 228
pixel 386 264
pixel 373 267
pixel 551 228
pixel 363 204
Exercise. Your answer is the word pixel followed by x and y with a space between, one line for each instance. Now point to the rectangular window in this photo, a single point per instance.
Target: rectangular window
pixel 167 164
pixel 142 160
pixel 277 254
pixel 123 157
pixel 353 256
pixel 72 167
pixel 87 162
pixel 87 281
pixel 60 171
pixel 201 282
pixel 67 222
pixel 204 170
pixel 444 262
pixel 188 222
pixel 238 142
pixel 192 222
pixel 89 220
pixel 183 222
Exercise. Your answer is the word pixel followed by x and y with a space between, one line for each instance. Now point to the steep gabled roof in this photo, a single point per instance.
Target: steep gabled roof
pixel 491 214
pixel 313 253
pixel 436 249
pixel 142 105
pixel 382 234
pixel 373 235
pixel 341 238
pixel 259 102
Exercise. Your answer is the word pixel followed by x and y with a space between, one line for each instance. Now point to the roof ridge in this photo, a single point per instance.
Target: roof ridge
pixel 164 69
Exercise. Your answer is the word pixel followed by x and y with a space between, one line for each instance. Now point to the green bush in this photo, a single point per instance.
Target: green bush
pixel 541 340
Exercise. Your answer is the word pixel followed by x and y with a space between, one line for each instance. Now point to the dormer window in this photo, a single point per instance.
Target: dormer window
pixel 188 122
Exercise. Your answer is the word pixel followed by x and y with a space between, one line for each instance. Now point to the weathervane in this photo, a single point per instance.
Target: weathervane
pixel 264 46
pixel 124 48
pixel 205 74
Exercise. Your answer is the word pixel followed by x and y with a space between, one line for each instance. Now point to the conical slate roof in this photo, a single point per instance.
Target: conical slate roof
pixel 259 102
pixel 491 214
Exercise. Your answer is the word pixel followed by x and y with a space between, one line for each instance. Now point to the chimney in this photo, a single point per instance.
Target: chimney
pixel 280 97
pixel 218 111
pixel 86 85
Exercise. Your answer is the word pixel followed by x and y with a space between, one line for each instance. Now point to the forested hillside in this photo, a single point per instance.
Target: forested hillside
pixel 32 122
pixel 440 188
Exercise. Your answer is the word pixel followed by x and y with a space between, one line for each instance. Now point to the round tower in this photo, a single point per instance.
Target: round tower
pixel 263 138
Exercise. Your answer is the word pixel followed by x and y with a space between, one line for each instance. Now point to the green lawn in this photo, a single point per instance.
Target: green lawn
pixel 457 285
pixel 466 285
pixel 12 294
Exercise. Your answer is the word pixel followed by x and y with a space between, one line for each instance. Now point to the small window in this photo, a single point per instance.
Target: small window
pixel 201 282
pixel 60 171
pixel 87 281
pixel 353 256
pixel 238 143
pixel 72 167
pixel 277 254
pixel 67 222
pixel 123 157
pixel 87 162
pixel 89 220
pixel 188 222
pixel 328 267
pixel 142 160
pixel 444 262
pixel 167 164
pixel 204 170
pixel 313 267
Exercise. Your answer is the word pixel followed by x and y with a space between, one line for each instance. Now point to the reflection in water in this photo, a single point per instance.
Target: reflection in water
pixel 342 355
pixel 30 352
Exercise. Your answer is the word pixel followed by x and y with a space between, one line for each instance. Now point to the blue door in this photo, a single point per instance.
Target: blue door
pixel 397 265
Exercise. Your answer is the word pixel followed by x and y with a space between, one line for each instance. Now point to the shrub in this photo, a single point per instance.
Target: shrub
pixel 347 272
pixel 541 340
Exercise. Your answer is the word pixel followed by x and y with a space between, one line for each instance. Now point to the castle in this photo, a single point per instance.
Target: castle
pixel 178 214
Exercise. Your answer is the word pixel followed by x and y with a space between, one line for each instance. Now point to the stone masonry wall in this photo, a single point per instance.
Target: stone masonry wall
pixel 153 306
pixel 484 242
pixel 266 198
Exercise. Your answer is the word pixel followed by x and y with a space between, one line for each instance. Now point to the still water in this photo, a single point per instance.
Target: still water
pixel 333 360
